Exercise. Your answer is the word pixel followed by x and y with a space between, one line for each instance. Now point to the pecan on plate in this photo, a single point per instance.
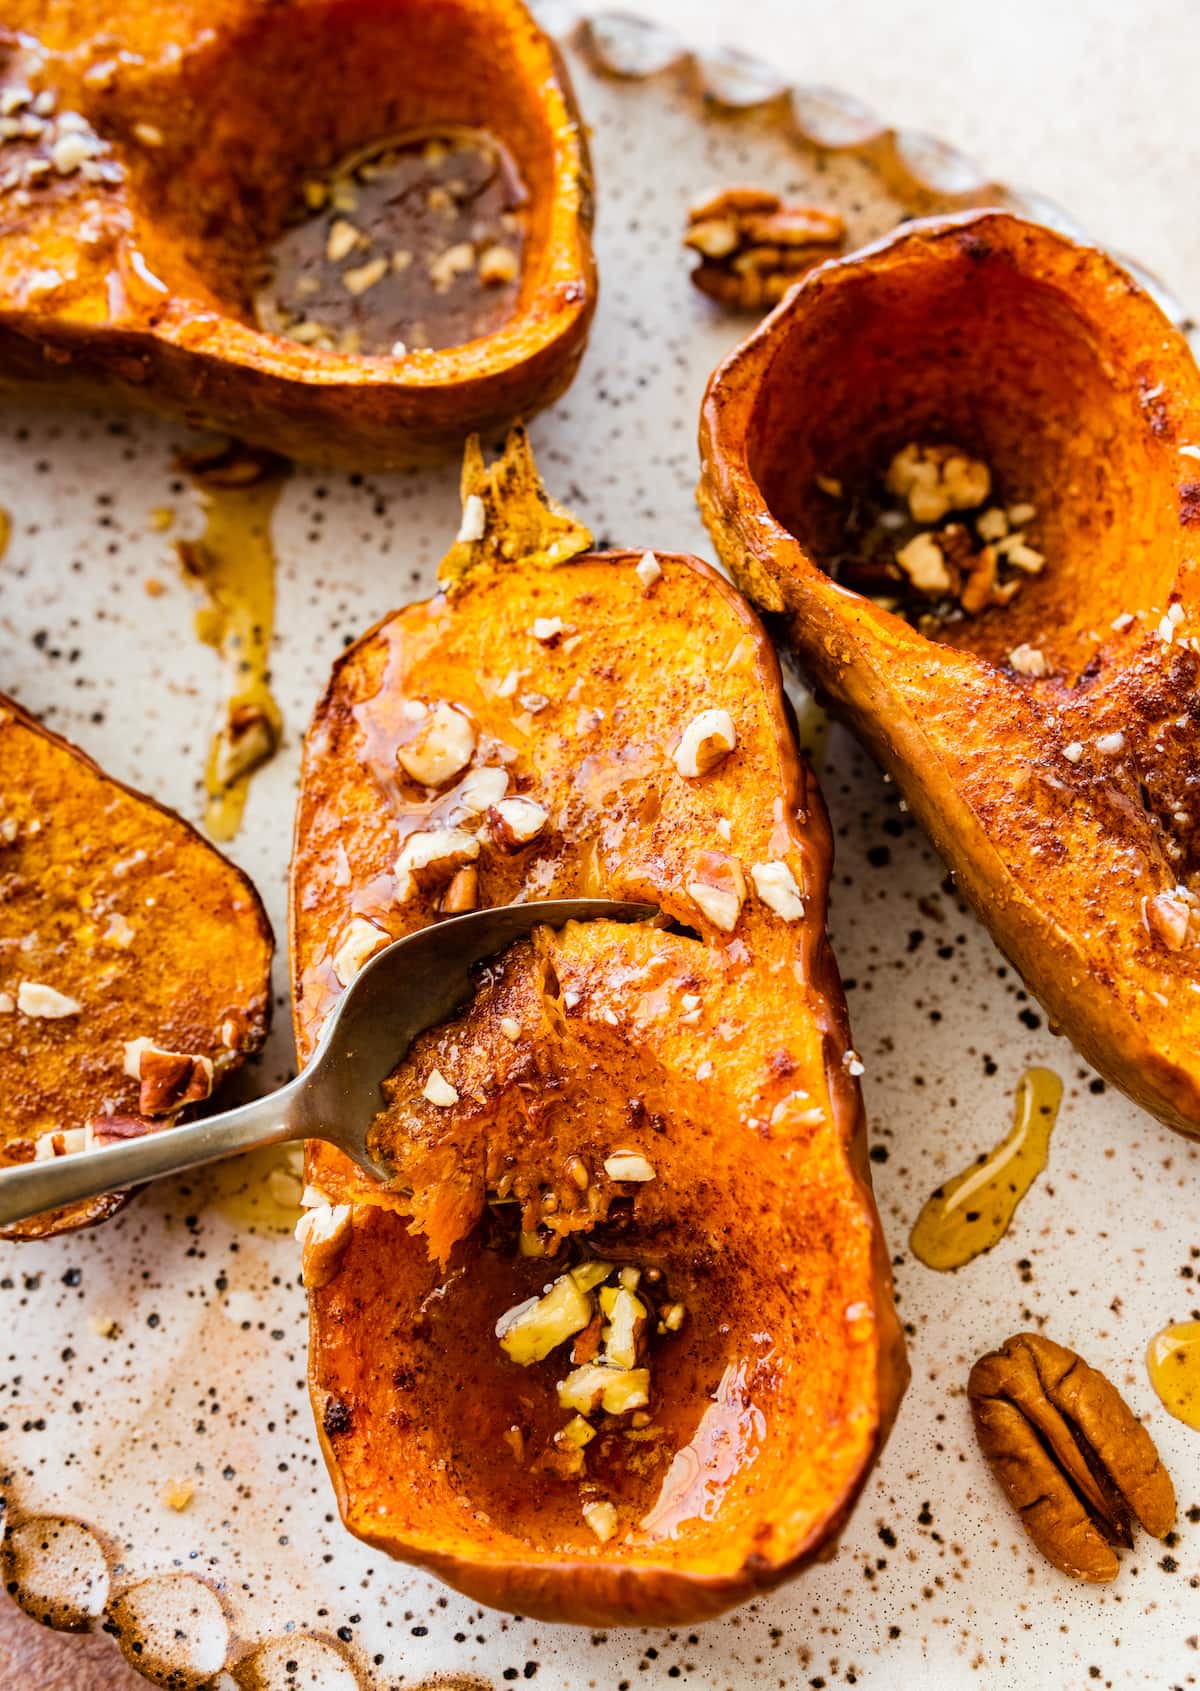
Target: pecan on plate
pixel 753 247
pixel 248 738
pixel 1078 1466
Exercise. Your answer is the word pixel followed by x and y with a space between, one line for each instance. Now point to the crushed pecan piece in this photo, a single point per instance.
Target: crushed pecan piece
pixel 753 247
pixel 1173 918
pixel 933 542
pixel 515 822
pixel 248 738
pixel 111 1130
pixel 167 1079
pixel 1077 1465
pixel 587 1343
pixel 463 892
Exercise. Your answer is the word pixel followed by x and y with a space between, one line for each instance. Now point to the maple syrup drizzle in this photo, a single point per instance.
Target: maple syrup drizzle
pixel 5 530
pixel 969 1214
pixel 234 562
pixel 1173 1363
pixel 414 243
pixel 730 1431
pixel 258 1192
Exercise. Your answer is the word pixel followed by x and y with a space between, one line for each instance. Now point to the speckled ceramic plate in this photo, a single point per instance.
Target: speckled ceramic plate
pixel 166 1350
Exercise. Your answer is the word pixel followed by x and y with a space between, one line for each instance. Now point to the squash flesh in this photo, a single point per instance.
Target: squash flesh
pixel 140 289
pixel 1063 803
pixel 768 1228
pixel 127 911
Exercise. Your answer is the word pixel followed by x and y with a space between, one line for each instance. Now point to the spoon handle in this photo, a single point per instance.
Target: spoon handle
pixel 35 1187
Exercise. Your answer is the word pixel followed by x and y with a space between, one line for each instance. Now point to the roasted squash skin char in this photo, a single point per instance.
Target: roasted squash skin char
pixel 1063 803
pixel 124 909
pixel 722 1056
pixel 211 117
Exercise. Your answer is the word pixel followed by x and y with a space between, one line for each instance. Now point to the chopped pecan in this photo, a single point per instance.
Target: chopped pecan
pixel 1076 1463
pixel 432 858
pixel 248 738
pixel 463 892
pixel 977 590
pixel 514 822
pixel 168 1079
pixel 752 247
pixel 1173 917
pixel 717 887
pixel 171 1079
pixel 323 1233
pixel 962 558
pixel 935 480
pixel 110 1130
pixel 587 1343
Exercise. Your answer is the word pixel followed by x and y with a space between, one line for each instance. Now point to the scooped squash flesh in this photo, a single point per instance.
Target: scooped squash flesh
pixel 1048 745
pixel 675 1100
pixel 118 923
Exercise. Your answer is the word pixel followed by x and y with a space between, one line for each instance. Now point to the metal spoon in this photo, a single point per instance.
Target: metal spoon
pixel 414 984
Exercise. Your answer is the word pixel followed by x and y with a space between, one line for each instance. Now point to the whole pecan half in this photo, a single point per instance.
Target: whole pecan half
pixel 753 247
pixel 1078 1466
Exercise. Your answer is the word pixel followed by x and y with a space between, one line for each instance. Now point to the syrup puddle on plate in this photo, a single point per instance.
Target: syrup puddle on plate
pixel 1173 1363
pixel 258 1191
pixel 233 560
pixel 969 1214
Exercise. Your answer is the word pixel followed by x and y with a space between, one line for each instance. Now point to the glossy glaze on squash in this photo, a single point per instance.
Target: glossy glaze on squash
pixel 123 909
pixel 723 1056
pixel 130 273
pixel 1066 804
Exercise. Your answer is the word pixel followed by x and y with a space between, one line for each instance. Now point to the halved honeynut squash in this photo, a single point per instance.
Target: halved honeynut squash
pixel 135 962
pixel 350 232
pixel 619 1344
pixel 962 470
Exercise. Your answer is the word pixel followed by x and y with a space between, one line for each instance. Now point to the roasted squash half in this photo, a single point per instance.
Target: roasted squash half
pixel 677 1100
pixel 135 961
pixel 167 148
pixel 1048 743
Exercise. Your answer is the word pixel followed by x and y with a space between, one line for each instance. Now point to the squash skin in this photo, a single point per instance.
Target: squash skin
pixel 1050 363
pixel 381 1450
pixel 151 305
pixel 202 958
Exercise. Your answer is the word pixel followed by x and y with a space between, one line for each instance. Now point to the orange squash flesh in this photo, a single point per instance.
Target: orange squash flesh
pixel 138 288
pixel 721 1056
pixel 1064 804
pixel 123 908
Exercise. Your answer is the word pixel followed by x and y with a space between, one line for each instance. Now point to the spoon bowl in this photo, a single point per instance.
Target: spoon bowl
pixel 413 984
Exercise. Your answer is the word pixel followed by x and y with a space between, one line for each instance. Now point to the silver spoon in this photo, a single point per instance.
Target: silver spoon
pixel 413 985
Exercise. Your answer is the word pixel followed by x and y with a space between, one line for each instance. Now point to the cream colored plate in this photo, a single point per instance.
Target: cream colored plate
pixel 201 1379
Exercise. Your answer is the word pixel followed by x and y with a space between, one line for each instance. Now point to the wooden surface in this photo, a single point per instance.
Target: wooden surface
pixel 1091 105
